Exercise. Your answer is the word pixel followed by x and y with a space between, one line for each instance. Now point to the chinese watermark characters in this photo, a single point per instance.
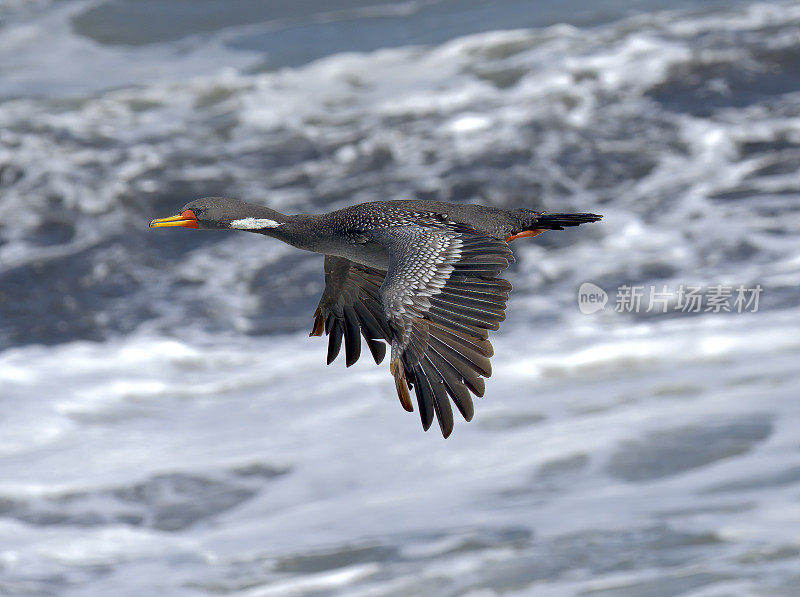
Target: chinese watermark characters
pixel 686 298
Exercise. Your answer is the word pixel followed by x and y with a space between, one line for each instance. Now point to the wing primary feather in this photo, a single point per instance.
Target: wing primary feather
pixel 370 326
pixel 499 298
pixel 480 268
pixel 453 384
pixel 425 398
pixel 462 367
pixel 479 284
pixel 476 361
pixel 319 323
pixel 352 338
pixel 396 368
pixel 378 350
pixel 478 319
pixel 441 403
pixel 334 340
pixel 481 346
pixel 472 304
pixel 460 325
pixel 380 318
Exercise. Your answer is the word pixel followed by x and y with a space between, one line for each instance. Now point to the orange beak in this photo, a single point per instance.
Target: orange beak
pixel 187 219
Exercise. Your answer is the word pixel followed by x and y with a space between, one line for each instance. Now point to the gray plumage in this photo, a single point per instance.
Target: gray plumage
pixel 421 276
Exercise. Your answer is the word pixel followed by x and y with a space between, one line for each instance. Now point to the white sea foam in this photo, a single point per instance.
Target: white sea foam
pixel 549 450
pixel 610 451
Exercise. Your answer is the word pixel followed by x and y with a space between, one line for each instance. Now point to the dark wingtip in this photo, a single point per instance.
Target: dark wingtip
pixel 378 350
pixel 352 337
pixel 334 341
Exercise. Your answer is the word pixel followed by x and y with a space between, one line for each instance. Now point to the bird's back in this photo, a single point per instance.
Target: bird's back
pixel 494 221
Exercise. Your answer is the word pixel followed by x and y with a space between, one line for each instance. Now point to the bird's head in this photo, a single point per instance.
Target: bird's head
pixel 219 213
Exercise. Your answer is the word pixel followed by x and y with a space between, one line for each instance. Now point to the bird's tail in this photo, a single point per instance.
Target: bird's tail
pixel 559 221
pixel 533 223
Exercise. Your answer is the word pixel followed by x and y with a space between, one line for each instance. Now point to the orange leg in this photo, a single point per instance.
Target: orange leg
pixel 525 233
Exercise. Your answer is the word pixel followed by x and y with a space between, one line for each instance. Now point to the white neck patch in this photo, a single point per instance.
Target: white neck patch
pixel 254 224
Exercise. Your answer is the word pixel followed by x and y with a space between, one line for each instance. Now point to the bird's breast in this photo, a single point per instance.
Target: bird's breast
pixel 367 253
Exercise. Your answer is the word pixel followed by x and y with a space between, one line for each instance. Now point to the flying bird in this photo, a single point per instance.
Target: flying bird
pixel 419 276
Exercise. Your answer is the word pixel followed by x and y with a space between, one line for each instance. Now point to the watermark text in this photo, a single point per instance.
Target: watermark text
pixel 686 298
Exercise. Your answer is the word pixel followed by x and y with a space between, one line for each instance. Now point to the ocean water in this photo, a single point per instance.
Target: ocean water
pixel 167 428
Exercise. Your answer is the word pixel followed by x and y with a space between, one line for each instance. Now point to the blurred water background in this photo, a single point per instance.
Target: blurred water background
pixel 166 428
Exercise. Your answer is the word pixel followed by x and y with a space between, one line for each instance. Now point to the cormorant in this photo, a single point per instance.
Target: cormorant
pixel 421 276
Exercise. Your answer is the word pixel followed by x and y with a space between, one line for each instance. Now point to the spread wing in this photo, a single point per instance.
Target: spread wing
pixel 350 305
pixel 441 296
